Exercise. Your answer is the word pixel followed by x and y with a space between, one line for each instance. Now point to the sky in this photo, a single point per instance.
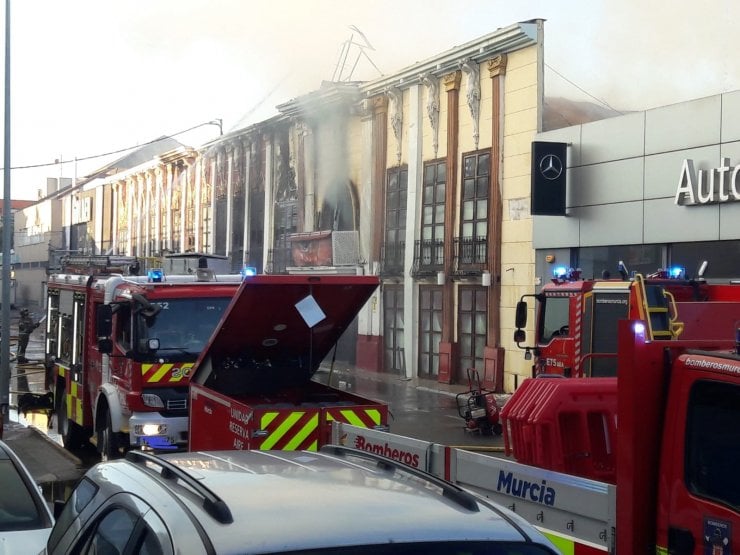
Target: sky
pixel 90 77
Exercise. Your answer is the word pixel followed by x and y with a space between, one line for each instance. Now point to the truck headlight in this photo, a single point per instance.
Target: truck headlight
pixel 150 429
pixel 152 400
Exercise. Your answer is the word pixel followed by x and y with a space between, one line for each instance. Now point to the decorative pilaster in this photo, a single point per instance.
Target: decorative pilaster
pixel 472 94
pixel 448 363
pixel 432 85
pixel 494 353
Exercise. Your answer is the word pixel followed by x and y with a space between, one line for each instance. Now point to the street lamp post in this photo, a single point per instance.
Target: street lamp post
pixel 7 234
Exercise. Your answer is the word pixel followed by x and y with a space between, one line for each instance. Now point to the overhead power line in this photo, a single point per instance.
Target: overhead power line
pixel 584 91
pixel 217 122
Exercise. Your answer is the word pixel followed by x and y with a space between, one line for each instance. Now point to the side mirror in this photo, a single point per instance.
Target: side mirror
pixel 520 336
pixel 104 320
pixel 521 315
pixel 105 345
pixel 104 328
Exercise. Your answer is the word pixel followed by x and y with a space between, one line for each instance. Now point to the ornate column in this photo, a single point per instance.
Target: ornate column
pixel 157 188
pixel 183 186
pixel 447 349
pixel 212 200
pixel 166 176
pixel 494 353
pixel 146 183
pixel 229 154
pixel 198 223
pixel 139 211
pixel 380 144
pixel 247 150
pixel 115 191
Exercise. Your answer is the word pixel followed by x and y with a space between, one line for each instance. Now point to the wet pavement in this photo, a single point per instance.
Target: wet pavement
pixel 418 408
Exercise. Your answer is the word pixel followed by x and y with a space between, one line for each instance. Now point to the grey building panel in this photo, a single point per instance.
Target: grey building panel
pixel 731 116
pixel 667 223
pixel 663 171
pixel 729 221
pixel 554 231
pixel 730 150
pixel 613 139
pixel 681 126
pixel 612 224
pixel 569 135
pixel 619 181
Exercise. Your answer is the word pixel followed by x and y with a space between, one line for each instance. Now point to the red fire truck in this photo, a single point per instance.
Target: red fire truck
pixel 643 463
pixel 121 346
pixel 576 319
pixel 252 388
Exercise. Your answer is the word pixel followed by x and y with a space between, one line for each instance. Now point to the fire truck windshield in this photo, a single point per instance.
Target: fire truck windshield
pixel 554 319
pixel 182 325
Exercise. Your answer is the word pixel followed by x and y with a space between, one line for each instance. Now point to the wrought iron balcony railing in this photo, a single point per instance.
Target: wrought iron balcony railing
pixel 391 259
pixel 428 257
pixel 471 255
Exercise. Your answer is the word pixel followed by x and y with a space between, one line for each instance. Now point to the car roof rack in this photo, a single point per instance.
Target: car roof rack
pixel 449 490
pixel 212 503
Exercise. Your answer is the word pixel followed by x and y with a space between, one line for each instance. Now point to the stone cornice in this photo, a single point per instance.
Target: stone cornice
pixel 328 97
pixel 508 39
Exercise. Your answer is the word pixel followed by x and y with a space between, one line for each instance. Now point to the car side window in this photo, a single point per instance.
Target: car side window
pixel 110 534
pixel 78 500
pixel 119 531
pixel 17 508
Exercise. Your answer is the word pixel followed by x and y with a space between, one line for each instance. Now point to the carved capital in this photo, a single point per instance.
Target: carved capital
pixel 379 103
pixel 497 66
pixel 452 80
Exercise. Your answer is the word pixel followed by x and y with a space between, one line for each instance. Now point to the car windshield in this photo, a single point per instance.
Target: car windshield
pixel 183 325
pixel 17 508
pixel 436 548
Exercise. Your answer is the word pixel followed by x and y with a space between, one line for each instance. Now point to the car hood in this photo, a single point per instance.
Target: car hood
pixel 24 541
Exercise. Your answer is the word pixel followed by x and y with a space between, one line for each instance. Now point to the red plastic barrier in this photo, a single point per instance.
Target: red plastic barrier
pixel 564 424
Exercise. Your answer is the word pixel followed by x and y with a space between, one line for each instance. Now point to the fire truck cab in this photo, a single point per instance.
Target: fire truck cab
pixel 576 318
pixel 120 347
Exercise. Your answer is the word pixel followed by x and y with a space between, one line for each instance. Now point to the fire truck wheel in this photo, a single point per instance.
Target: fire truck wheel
pixel 108 444
pixel 73 436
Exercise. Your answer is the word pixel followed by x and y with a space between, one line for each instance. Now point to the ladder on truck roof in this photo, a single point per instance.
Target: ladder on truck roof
pixel 100 264
pixel 660 310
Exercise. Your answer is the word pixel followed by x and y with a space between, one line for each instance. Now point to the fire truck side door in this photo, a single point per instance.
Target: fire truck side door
pixel 608 309
pixel 700 496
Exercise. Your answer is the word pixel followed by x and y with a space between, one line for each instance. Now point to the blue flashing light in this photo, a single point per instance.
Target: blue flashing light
pixel 155 275
pixel 677 272
pixel 560 272
pixel 248 271
pixel 639 328
pixel 159 443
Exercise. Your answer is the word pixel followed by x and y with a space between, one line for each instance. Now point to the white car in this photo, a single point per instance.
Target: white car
pixel 25 517
pixel 336 501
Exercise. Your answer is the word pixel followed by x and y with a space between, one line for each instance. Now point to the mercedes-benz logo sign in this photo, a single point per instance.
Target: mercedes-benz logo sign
pixel 551 167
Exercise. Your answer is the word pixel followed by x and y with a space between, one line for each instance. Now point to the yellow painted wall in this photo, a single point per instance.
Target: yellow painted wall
pixel 517 254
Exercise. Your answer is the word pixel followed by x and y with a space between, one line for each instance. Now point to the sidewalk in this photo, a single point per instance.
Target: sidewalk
pixel 45 458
